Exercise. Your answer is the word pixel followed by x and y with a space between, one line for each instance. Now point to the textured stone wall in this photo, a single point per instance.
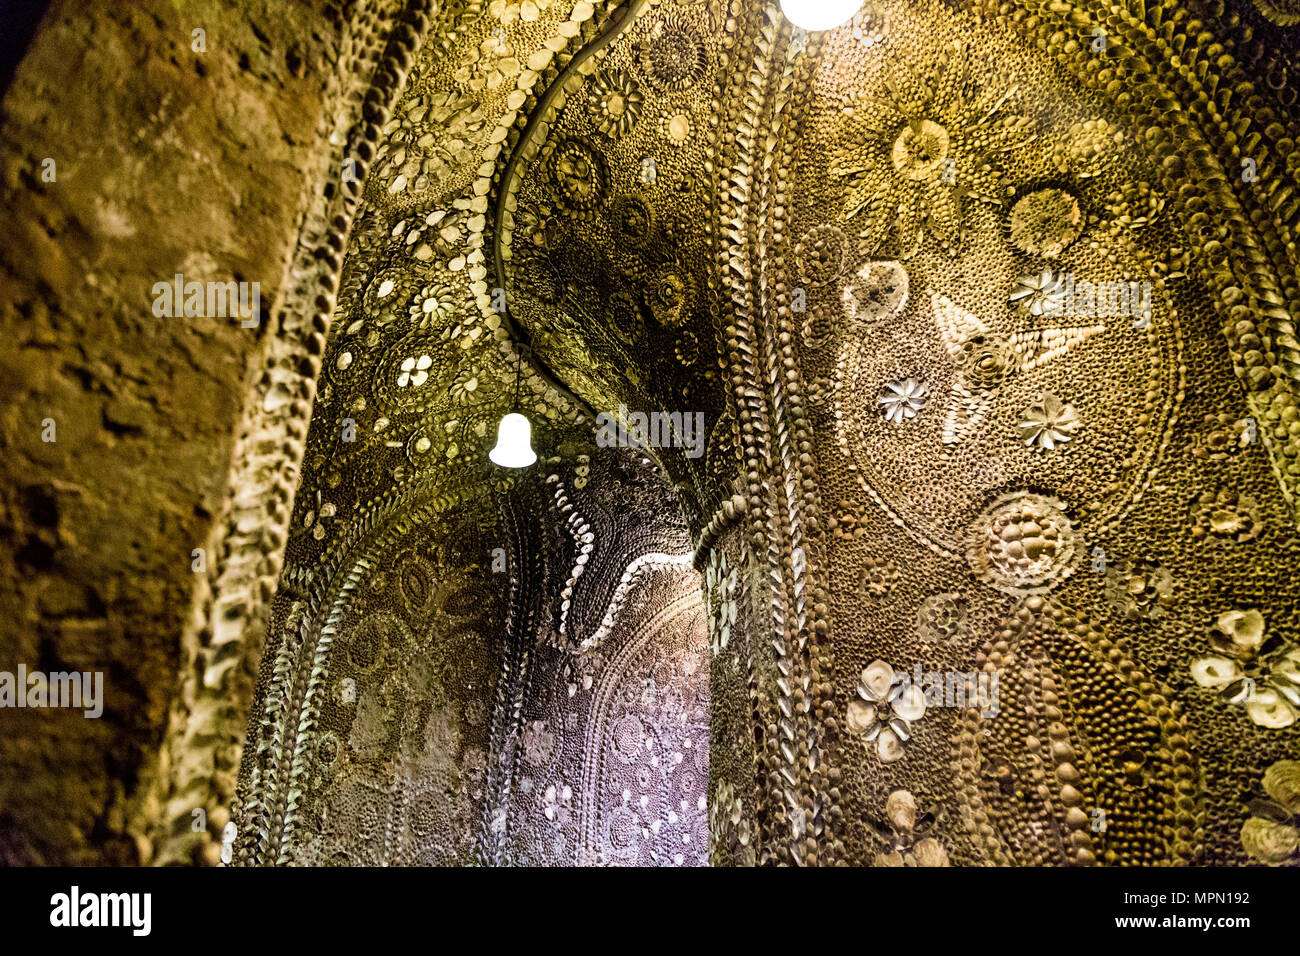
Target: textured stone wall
pixel 165 160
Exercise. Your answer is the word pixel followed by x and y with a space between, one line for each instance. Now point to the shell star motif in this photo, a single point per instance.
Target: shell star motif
pixel 903 399
pixel 985 360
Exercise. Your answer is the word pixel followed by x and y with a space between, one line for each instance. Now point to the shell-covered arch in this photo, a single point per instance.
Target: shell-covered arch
pixel 989 311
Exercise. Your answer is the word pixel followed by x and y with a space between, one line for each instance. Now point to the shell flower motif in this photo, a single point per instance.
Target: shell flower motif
pixel 670 297
pixel 580 176
pixel 414 371
pixel 1223 436
pixel 1224 517
pixel 313 522
pixel 615 102
pixel 1259 673
pixel 557 803
pixel 902 400
pixel 820 254
pixel 670 55
pixel 888 705
pixel 1047 423
pixel 878 290
pixel 1044 222
pixel 907 834
pixel 878 577
pixel 538 225
pixel 926 147
pixel 434 306
pixel 1040 293
pixel 467 388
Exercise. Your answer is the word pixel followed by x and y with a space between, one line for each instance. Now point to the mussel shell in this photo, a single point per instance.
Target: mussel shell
pixel 1268 809
pixel 1237 691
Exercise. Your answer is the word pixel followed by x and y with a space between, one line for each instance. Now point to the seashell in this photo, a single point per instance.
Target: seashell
pixel 1288 666
pixel 1215 671
pixel 1269 709
pixel 1282 783
pixel 1267 841
pixel 1286 688
pixel 900 729
pixel 930 852
pixel 1268 809
pixel 897 686
pixel 888 747
pixel 1237 691
pixel 1244 628
pixel 877 680
pixel 900 808
pixel 910 703
pixel 860 716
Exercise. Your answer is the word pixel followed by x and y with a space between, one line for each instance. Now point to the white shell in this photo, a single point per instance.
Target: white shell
pixel 910 704
pixel 877 679
pixel 1215 671
pixel 1268 709
pixel 860 716
pixel 888 747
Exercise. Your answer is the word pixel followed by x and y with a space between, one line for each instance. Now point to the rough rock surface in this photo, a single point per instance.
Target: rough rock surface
pixel 166 160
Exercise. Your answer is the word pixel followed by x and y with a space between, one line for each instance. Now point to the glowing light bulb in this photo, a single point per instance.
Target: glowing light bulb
pixel 819 14
pixel 514 448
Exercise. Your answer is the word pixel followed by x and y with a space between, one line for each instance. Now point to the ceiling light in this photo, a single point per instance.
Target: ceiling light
pixel 819 14
pixel 514 448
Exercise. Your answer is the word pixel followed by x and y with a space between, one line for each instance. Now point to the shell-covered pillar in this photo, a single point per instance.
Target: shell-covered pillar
pixel 1011 574
pixel 468 663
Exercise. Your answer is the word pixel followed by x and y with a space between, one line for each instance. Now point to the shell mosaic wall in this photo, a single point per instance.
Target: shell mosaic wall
pixel 984 550
pixel 992 340
pixel 988 312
